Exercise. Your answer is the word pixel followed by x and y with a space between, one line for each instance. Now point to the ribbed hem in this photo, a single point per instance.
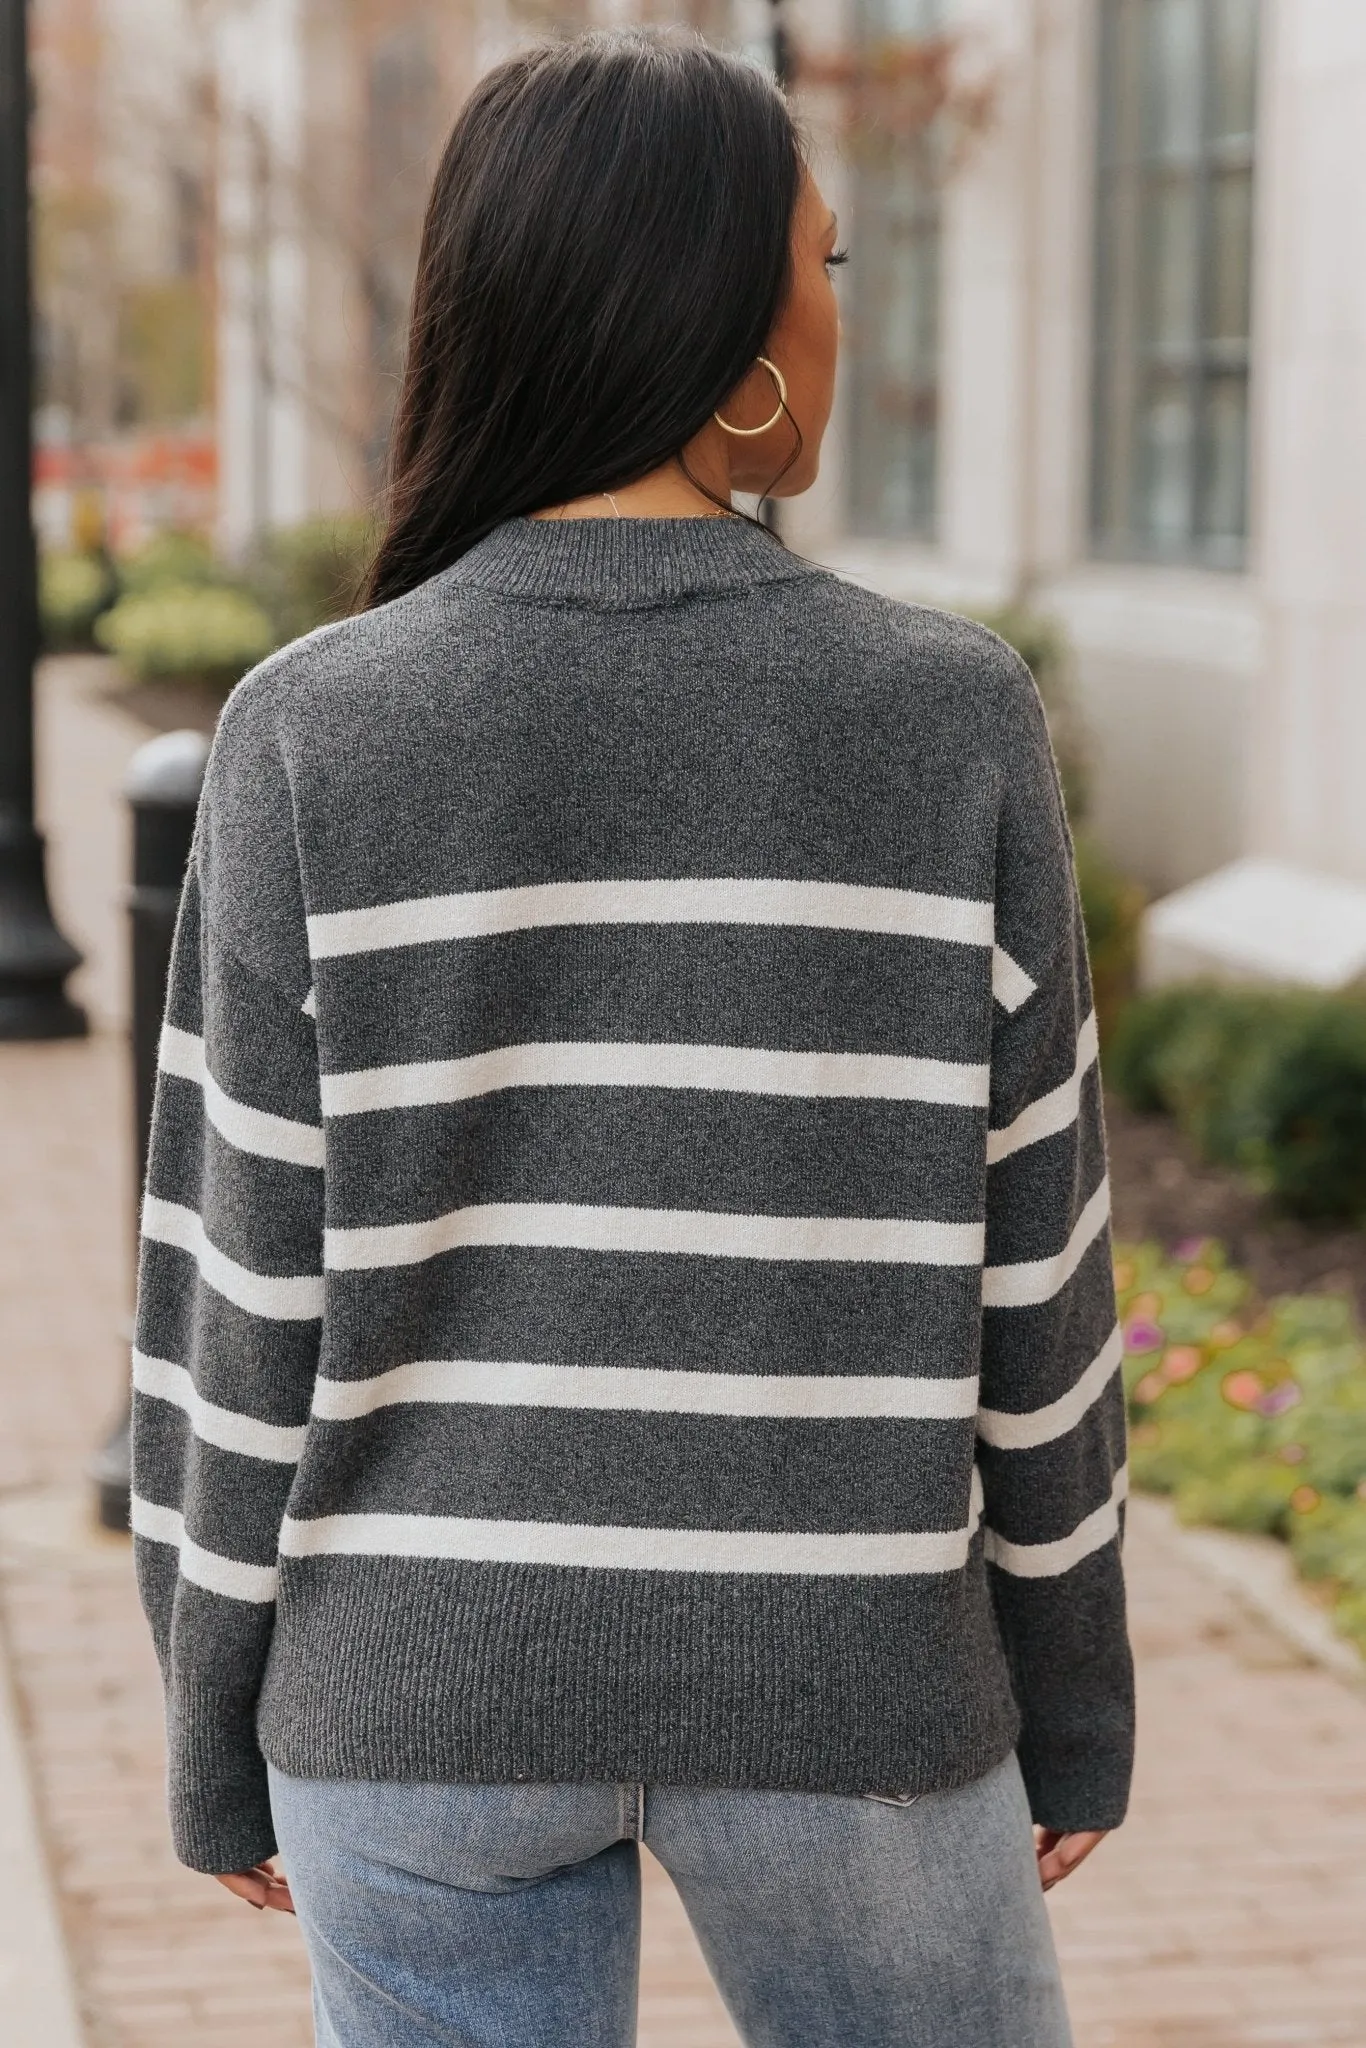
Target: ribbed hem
pixel 429 1672
pixel 218 1793
pixel 622 564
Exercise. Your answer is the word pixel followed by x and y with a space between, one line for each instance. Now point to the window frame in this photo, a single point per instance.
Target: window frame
pixel 1126 360
pixel 916 205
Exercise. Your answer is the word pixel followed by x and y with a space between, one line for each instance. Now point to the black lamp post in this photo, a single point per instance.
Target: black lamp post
pixel 34 957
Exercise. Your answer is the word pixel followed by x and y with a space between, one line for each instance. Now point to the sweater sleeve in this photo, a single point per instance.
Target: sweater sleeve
pixel 1051 1423
pixel 229 1302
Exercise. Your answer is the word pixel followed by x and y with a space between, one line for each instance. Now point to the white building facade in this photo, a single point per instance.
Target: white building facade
pixel 1148 412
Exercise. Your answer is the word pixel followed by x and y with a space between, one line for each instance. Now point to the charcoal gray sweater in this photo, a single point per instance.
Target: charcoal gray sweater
pixel 625 1279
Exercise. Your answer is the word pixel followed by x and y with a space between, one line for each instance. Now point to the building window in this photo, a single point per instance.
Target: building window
pixel 892 311
pixel 1174 279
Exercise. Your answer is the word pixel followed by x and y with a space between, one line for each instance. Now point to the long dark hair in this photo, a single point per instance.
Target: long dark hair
pixel 605 252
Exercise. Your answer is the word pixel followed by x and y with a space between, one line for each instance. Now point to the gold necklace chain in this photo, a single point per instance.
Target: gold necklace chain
pixel 712 511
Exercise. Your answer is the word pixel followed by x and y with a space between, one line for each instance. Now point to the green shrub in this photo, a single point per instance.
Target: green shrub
pixel 1211 1070
pixel 190 632
pixel 73 590
pixel 1311 1137
pixel 1349 1613
pixel 1250 1417
pixel 308 575
pixel 1252 1497
pixel 1329 1542
pixel 1146 1028
pixel 171 558
pixel 1329 1546
pixel 1268 1081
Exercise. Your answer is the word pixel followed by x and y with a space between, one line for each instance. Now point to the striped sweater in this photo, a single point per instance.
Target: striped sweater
pixel 625 1286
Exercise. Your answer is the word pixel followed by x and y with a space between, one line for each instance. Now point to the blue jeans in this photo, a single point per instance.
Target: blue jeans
pixel 508 1916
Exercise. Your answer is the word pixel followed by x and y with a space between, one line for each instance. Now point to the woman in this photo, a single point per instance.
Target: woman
pixel 626 1346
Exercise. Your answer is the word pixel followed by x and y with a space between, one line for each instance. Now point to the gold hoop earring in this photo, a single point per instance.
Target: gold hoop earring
pixel 780 385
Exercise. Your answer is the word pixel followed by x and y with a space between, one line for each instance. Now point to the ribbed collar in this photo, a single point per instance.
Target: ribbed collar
pixel 620 564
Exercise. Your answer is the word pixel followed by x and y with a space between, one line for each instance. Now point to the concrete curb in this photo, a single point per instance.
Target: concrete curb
pixel 37 1990
pixel 1258 1571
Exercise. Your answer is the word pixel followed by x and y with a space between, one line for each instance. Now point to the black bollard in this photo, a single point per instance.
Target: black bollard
pixel 162 788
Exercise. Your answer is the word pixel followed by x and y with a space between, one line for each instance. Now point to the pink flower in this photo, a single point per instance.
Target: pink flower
pixel 1242 1390
pixel 1143 1336
pixel 1188 1250
pixel 1287 1395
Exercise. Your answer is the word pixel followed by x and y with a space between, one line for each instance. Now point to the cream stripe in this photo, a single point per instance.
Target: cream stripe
pixel 291 1299
pixel 223 1427
pixel 579 1545
pixel 698 1232
pixel 1040 1279
pixel 181 1053
pixel 250 1130
pixel 482 913
pixel 1010 985
pixel 309 1005
pixel 647 1390
pixel 1051 1560
pixel 1011 1432
pixel 604 1064
pixel 225 1575
pixel 1052 1112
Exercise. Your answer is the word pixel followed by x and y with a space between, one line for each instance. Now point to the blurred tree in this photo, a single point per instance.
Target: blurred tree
pixel 163 349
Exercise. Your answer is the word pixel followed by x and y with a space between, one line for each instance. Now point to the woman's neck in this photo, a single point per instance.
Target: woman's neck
pixel 667 493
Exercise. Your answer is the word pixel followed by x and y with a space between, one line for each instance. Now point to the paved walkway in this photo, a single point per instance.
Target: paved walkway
pixel 1228 1914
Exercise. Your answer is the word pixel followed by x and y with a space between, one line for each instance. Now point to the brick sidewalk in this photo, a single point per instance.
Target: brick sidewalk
pixel 1228 1914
